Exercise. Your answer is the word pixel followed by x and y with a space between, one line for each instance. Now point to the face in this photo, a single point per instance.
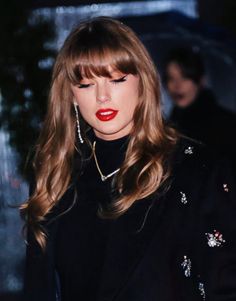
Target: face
pixel 182 90
pixel 108 104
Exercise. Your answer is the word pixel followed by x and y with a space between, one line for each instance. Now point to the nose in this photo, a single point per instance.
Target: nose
pixel 103 94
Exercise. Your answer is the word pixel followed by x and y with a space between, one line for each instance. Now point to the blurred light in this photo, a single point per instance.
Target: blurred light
pixel 28 93
pixel 65 18
pixel 16 109
pixel 27 105
pixel 12 248
pixel 13 282
pixel 46 63
pixel 46 13
pixel 20 76
pixel 94 7
pixel 35 123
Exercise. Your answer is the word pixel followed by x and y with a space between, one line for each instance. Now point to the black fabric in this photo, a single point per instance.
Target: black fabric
pixel 82 235
pixel 140 255
pixel 207 122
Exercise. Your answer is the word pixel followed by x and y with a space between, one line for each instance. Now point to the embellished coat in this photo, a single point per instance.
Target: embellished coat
pixel 177 246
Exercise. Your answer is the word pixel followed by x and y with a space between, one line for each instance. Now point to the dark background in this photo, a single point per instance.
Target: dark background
pixel 29 42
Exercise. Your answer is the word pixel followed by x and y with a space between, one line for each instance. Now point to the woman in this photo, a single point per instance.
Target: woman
pixel 185 82
pixel 122 207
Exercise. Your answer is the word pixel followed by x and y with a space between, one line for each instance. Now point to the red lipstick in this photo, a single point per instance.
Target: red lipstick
pixel 106 114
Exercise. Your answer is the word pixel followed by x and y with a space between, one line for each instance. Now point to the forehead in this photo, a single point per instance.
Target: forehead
pixel 174 69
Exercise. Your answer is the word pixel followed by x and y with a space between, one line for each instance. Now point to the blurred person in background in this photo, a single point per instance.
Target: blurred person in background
pixel 196 112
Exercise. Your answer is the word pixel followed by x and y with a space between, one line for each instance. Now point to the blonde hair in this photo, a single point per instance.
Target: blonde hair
pixel 89 50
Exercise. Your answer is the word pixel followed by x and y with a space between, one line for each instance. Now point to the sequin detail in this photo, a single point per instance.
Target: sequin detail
pixel 226 188
pixel 215 239
pixel 186 265
pixel 188 150
pixel 183 198
pixel 202 290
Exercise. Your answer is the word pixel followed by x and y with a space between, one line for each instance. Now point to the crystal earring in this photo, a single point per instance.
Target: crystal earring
pixel 77 123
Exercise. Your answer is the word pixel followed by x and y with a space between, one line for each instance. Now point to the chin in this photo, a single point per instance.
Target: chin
pixel 107 131
pixel 183 103
pixel 107 128
pixel 112 132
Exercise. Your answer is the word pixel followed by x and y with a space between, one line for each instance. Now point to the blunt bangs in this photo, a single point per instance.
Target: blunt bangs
pixel 96 60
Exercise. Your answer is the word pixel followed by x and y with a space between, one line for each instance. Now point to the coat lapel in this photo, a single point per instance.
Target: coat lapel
pixel 130 237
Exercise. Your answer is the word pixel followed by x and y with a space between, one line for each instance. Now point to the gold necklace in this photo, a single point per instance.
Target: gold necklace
pixel 103 178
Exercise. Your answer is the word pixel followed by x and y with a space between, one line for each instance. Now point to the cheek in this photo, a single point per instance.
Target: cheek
pixel 128 110
pixel 131 95
pixel 84 101
pixel 87 114
pixel 86 111
pixel 131 101
pixel 170 85
pixel 192 89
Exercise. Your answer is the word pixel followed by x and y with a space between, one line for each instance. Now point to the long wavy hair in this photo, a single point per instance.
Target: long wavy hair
pixel 90 50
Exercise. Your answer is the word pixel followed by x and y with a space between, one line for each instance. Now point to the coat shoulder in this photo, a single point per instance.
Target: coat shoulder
pixel 201 173
pixel 195 156
pixel 196 167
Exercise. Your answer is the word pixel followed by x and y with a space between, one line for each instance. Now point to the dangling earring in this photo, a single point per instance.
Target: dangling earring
pixel 77 123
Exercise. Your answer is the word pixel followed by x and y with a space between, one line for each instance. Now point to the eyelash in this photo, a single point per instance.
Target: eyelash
pixel 119 80
pixel 114 81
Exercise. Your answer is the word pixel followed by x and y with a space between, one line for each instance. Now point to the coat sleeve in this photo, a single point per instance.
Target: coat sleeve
pixel 40 274
pixel 217 235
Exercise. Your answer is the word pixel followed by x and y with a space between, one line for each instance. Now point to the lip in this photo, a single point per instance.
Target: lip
pixel 106 114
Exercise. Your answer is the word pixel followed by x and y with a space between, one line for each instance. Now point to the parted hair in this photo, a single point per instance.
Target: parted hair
pixel 92 49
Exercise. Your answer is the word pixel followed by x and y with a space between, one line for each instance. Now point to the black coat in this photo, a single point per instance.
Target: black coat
pixel 179 246
pixel 204 120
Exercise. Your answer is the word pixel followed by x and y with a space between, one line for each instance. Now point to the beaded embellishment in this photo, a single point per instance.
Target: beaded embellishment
pixel 214 239
pixel 226 188
pixel 186 265
pixel 188 150
pixel 183 198
pixel 202 290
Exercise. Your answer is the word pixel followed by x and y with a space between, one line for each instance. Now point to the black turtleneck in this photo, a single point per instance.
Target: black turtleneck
pixel 82 235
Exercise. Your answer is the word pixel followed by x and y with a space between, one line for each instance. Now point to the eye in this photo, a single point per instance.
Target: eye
pixel 119 80
pixel 82 86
